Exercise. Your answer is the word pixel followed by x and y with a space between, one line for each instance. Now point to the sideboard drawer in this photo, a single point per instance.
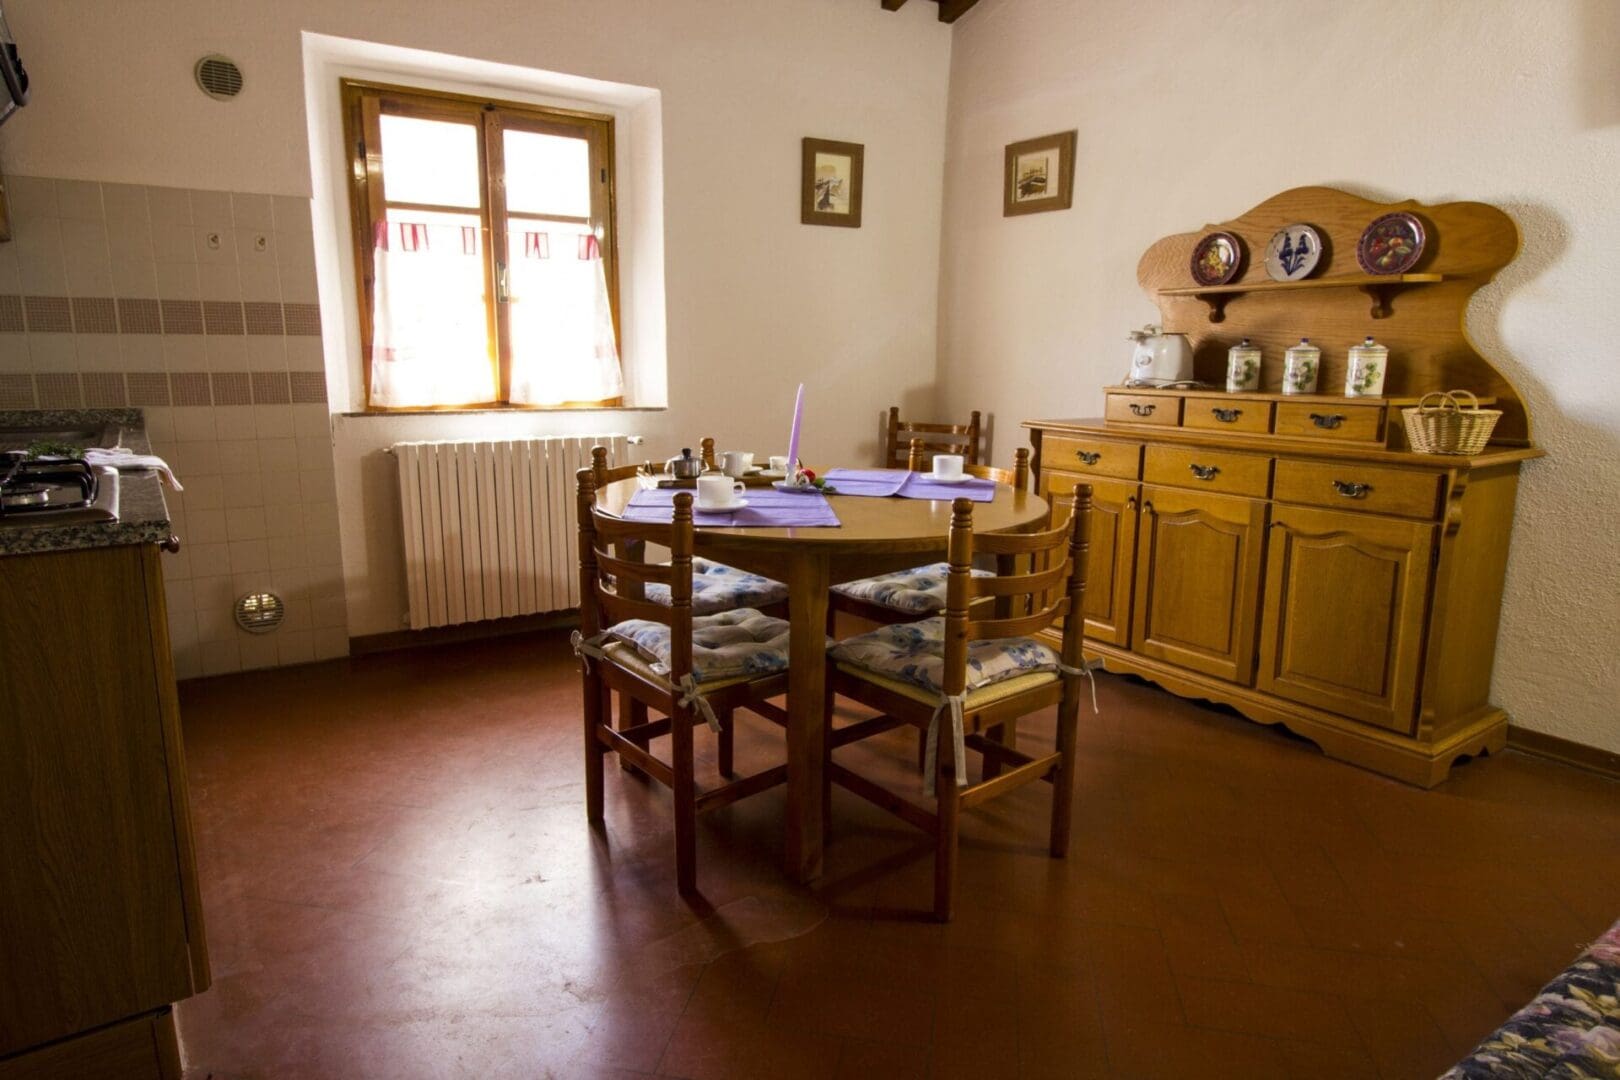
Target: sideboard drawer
pixel 1324 420
pixel 1208 470
pixel 1143 409
pixel 1217 412
pixel 1103 457
pixel 1350 485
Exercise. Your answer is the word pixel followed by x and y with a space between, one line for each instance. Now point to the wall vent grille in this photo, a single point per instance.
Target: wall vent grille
pixel 219 77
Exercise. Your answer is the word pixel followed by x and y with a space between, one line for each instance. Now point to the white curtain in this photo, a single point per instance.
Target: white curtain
pixel 563 346
pixel 430 337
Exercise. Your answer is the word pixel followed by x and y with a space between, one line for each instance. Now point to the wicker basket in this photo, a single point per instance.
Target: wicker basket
pixel 1449 426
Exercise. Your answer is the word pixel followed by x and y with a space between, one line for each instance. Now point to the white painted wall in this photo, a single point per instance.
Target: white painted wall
pixel 755 301
pixel 1190 112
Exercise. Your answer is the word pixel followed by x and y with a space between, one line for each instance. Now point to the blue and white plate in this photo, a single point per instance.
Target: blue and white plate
pixel 1293 253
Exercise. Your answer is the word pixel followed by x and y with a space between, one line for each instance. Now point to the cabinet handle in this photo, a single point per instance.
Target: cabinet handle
pixel 1351 489
pixel 1089 457
pixel 1204 472
pixel 1147 507
pixel 1330 421
pixel 1130 503
pixel 171 545
pixel 1227 416
pixel 1142 410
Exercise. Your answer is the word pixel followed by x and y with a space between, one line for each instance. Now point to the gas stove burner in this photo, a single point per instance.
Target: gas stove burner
pixel 41 486
pixel 25 495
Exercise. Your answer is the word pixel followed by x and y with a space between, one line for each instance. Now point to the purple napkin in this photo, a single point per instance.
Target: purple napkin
pixel 767 509
pixel 919 486
pixel 876 483
pixel 907 485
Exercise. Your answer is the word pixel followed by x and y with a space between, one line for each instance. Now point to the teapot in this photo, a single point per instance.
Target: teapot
pixel 685 467
pixel 1159 358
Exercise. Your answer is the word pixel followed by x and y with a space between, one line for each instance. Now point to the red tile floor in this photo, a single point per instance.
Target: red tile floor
pixel 399 882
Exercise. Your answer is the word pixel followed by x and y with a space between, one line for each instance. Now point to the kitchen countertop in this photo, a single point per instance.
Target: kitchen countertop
pixel 143 517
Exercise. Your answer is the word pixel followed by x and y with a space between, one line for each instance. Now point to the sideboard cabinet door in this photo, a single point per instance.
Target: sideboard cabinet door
pixel 1345 602
pixel 1197 581
pixel 1111 557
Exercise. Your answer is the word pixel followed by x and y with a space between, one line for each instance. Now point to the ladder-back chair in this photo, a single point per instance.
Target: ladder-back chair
pixel 937 438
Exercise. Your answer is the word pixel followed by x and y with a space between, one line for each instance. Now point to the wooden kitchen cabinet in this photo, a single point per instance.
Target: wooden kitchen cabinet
pixel 1289 555
pixel 1346 599
pixel 98 887
pixel 1197 580
pixel 1112 553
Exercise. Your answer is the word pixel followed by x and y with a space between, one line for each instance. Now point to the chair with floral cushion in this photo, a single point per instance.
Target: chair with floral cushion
pixel 960 676
pixel 690 669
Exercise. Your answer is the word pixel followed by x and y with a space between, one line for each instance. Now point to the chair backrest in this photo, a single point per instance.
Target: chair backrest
pixel 937 439
pixel 613 579
pixel 1016 477
pixel 1047 584
pixel 602 475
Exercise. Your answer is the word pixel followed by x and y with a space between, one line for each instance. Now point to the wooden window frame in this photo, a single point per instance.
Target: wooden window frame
pixel 363 105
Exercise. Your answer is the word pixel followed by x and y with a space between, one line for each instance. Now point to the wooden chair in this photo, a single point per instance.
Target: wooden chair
pixel 683 684
pixel 890 670
pixel 937 439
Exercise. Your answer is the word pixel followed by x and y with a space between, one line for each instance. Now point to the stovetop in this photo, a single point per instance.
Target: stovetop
pixel 55 491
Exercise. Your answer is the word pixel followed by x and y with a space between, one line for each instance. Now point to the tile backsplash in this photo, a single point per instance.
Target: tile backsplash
pixel 200 308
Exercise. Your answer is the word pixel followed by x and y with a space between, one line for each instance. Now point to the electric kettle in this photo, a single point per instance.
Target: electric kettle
pixel 1159 359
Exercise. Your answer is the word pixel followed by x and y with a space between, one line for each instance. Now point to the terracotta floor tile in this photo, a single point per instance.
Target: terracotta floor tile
pixel 398 882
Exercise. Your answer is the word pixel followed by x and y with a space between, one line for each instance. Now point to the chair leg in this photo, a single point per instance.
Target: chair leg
pixel 631 713
pixel 1063 783
pixel 685 795
pixel 1005 733
pixel 727 745
pixel 922 750
pixel 946 829
pixel 831 699
pixel 593 700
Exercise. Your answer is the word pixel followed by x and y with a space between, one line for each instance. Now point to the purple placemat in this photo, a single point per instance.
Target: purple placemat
pixel 907 485
pixel 767 509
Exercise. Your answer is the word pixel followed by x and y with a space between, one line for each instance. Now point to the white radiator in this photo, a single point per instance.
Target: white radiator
pixel 491 528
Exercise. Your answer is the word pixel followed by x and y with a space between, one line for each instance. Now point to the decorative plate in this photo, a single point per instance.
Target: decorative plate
pixel 1391 245
pixel 1293 253
pixel 1217 259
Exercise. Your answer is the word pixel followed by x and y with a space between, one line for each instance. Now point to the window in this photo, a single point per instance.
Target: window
pixel 485 250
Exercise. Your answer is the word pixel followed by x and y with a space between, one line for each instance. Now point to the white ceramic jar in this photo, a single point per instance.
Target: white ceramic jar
pixel 1242 367
pixel 1300 365
pixel 1364 375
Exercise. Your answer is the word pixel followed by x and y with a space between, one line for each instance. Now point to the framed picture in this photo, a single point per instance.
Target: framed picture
pixel 830 183
pixel 1038 175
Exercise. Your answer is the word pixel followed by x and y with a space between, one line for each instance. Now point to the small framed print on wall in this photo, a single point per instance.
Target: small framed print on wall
pixel 1038 175
pixel 830 183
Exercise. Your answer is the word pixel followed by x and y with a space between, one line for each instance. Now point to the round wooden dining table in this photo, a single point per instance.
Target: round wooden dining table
pixel 875 535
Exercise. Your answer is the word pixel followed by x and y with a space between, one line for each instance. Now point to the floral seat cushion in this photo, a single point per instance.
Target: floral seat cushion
pixel 729 645
pixel 917 591
pixel 1571 1031
pixel 914 654
pixel 717 587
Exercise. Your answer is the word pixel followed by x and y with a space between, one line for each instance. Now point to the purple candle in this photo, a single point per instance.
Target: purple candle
pixel 793 436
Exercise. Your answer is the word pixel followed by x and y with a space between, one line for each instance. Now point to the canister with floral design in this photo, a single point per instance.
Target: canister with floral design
pixel 1299 368
pixel 1242 367
pixel 1364 375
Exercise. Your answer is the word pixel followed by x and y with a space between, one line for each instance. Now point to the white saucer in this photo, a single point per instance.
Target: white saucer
pixel 935 478
pixel 796 489
pixel 735 504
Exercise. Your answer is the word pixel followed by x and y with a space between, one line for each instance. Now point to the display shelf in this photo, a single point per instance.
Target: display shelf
pixel 1381 287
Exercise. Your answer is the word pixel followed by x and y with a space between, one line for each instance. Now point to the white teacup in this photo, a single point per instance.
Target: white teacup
pixel 717 492
pixel 948 466
pixel 736 462
pixel 779 463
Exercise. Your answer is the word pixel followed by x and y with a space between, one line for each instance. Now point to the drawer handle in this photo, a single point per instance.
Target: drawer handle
pixel 1089 457
pixel 1330 421
pixel 171 545
pixel 1351 489
pixel 1142 410
pixel 1204 472
pixel 1227 416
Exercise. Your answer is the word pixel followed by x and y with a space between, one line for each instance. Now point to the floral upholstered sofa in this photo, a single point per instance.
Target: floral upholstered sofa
pixel 1571 1031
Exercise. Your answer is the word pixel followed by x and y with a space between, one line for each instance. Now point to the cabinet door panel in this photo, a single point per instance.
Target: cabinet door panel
pixel 1197 581
pixel 1111 556
pixel 1346 597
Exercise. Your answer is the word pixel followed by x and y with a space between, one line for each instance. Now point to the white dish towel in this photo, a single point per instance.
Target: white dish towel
pixel 123 459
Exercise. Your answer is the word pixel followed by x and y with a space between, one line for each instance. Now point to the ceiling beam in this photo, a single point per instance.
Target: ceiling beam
pixel 951 10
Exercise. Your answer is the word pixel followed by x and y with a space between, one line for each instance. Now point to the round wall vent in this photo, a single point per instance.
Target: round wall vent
pixel 219 77
pixel 260 613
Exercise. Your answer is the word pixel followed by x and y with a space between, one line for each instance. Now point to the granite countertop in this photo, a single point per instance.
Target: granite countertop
pixel 143 518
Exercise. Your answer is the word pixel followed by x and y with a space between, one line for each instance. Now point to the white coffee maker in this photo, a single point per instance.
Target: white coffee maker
pixel 1159 359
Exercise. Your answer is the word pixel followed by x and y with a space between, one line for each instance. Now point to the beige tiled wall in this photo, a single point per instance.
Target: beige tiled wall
pixel 200 308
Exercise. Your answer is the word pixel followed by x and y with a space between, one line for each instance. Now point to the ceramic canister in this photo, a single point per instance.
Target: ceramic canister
pixel 1364 375
pixel 1242 367
pixel 1299 368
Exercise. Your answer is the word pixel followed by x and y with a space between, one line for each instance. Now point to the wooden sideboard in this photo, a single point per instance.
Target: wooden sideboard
pixel 1286 554
pixel 100 913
